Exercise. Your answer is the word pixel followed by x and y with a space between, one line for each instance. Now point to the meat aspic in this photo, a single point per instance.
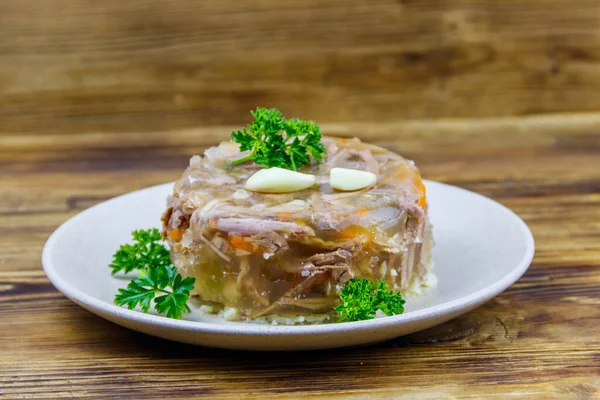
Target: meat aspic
pixel 291 253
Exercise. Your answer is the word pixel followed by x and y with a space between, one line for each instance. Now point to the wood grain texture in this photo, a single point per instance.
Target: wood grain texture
pixel 98 98
pixel 78 66
pixel 537 340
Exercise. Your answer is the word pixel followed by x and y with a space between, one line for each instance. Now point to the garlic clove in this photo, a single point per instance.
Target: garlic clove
pixel 279 180
pixel 350 179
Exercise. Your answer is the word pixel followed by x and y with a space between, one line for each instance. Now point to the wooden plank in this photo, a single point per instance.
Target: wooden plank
pixel 147 65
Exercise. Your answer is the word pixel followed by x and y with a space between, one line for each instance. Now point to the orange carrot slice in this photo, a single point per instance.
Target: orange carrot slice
pixel 357 232
pixel 176 234
pixel 241 243
pixel 421 186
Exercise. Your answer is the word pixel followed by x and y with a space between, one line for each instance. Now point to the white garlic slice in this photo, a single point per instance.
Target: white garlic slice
pixel 350 179
pixel 279 180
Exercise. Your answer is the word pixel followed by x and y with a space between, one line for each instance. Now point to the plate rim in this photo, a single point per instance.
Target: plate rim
pixel 466 302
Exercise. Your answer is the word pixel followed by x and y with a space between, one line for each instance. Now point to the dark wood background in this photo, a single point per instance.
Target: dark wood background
pixel 98 98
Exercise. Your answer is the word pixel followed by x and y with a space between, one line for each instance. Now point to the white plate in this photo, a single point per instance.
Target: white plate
pixel 481 249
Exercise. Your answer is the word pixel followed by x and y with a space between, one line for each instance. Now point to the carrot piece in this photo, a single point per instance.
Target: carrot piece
pixel 357 231
pixel 421 186
pixel 422 201
pixel 241 243
pixel 176 234
pixel 423 198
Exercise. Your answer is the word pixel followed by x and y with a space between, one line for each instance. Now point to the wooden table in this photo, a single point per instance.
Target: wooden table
pixel 539 339
pixel 97 98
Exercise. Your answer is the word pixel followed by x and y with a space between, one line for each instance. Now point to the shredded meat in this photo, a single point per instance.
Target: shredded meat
pixel 251 226
pixel 215 249
pixel 307 283
pixel 332 257
pixel 268 242
pixel 165 218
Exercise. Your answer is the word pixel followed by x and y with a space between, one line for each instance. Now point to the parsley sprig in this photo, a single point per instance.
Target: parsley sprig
pixel 157 280
pixel 361 299
pixel 147 251
pixel 278 142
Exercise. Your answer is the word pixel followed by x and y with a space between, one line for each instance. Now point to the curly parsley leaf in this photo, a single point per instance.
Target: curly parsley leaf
pixel 361 299
pixel 157 280
pixel 278 142
pixel 388 301
pixel 172 289
pixel 147 251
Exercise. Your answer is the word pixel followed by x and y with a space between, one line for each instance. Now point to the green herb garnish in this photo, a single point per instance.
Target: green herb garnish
pixel 158 280
pixel 278 142
pixel 147 251
pixel 155 281
pixel 361 299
